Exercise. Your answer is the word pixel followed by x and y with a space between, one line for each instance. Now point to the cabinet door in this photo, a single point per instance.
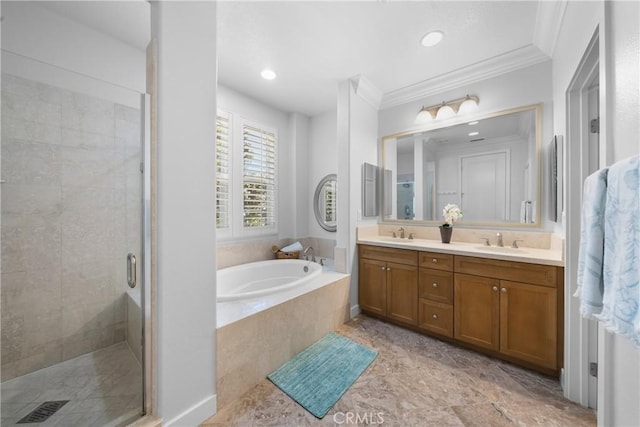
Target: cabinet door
pixel 436 285
pixel 528 323
pixel 372 292
pixel 402 293
pixel 476 311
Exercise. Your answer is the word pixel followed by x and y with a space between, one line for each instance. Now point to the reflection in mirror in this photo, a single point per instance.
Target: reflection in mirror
pixel 324 203
pixel 488 167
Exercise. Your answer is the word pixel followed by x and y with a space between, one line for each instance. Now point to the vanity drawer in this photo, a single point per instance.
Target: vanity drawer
pixel 436 261
pixel 436 285
pixel 435 317
pixel 381 253
pixel 537 274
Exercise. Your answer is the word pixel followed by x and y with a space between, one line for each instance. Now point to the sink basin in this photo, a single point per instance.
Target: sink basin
pixel 502 250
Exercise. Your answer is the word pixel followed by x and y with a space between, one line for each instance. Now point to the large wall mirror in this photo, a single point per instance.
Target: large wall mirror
pixel 490 167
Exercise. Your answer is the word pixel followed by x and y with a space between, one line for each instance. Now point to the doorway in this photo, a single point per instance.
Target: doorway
pixel 583 158
pixel 483 180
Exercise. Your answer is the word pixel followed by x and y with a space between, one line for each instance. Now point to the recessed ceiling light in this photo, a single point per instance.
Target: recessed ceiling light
pixel 475 122
pixel 268 74
pixel 473 133
pixel 432 38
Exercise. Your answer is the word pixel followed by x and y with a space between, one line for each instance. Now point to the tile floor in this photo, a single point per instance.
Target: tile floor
pixel 104 389
pixel 419 381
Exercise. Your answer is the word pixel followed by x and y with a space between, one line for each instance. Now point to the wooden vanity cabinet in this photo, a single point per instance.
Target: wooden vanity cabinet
pixel 519 319
pixel 508 309
pixel 389 283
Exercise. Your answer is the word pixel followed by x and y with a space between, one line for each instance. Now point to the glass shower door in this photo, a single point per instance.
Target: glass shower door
pixel 71 212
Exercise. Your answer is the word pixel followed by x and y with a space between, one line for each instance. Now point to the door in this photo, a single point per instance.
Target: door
pixel 483 193
pixel 402 293
pixel 373 286
pixel 529 323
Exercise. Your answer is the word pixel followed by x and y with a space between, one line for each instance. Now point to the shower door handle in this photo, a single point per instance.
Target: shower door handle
pixel 131 270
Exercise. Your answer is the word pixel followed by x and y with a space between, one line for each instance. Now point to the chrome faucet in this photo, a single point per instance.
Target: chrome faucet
pixel 500 243
pixel 313 257
pixel 401 230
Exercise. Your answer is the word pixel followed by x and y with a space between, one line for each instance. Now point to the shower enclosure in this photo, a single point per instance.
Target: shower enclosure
pixel 71 223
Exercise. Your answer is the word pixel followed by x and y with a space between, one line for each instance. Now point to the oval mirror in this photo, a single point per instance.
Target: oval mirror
pixel 324 202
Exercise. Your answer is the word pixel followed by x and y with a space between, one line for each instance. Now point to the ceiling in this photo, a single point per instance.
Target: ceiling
pixel 313 46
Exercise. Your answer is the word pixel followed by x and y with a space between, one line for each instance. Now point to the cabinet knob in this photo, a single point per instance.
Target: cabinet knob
pixel 494 289
pixel 435 285
pixel 388 268
pixel 435 316
pixel 503 290
pixel 383 268
pixel 434 260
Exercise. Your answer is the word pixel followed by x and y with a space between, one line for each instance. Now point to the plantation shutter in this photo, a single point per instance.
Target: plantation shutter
pixel 259 177
pixel 223 177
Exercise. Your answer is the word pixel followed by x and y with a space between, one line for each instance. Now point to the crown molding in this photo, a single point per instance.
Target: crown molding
pixel 511 61
pixel 547 27
pixel 365 89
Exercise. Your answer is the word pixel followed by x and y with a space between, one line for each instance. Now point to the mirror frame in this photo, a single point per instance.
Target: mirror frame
pixel 316 204
pixel 537 108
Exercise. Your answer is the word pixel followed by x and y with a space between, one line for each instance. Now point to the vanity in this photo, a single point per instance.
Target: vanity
pixel 504 303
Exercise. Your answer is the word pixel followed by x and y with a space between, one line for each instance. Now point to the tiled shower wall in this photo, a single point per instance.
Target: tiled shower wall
pixel 70 214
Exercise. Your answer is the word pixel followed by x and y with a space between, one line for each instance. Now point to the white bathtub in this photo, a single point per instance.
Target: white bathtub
pixel 262 278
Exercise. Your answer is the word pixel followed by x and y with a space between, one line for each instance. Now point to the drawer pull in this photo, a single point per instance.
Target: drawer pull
pixel 503 290
pixel 434 260
pixel 435 285
pixel 435 316
pixel 494 289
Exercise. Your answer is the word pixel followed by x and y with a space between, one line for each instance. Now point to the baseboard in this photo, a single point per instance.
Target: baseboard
pixel 355 310
pixel 196 414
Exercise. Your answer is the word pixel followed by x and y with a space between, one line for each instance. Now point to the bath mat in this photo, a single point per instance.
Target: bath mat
pixel 318 376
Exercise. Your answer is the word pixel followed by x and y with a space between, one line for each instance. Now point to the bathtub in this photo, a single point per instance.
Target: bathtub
pixel 269 311
pixel 262 278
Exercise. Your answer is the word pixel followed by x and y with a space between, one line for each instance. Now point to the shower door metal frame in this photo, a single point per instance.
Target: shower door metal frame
pixel 145 282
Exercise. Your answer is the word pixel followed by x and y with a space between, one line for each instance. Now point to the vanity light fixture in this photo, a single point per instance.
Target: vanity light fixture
pixel 448 109
pixel 268 74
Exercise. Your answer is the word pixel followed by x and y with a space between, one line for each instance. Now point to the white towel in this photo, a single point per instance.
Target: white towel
pixel 523 211
pixel 297 246
pixel 620 312
pixel 591 254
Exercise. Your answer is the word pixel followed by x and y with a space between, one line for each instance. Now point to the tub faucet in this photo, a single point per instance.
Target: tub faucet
pixel 313 257
pixel 500 243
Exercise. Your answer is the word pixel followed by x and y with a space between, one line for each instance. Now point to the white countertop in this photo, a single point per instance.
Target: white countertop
pixel 523 254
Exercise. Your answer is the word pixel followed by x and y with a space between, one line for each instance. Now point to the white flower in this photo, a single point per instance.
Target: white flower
pixel 451 213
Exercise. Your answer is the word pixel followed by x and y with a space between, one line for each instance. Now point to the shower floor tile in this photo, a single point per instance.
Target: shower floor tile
pixel 418 381
pixel 103 388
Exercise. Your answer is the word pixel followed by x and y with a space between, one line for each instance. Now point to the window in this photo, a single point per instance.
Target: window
pixel 259 177
pixel 246 164
pixel 223 172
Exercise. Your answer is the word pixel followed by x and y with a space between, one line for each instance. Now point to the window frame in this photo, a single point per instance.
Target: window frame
pixel 236 229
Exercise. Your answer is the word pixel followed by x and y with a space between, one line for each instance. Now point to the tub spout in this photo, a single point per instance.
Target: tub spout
pixel 313 257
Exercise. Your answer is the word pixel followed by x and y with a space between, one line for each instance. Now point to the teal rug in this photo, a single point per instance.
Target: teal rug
pixel 320 374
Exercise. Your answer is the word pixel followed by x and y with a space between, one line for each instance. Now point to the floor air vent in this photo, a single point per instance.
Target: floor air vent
pixel 44 411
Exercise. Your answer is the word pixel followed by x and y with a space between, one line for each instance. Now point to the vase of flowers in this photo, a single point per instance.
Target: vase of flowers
pixel 451 213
